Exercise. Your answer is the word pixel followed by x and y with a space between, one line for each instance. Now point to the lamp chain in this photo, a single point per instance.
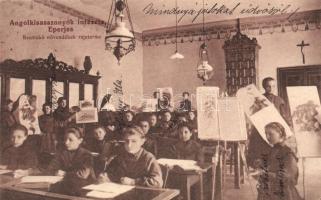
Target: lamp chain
pixel 176 24
pixel 110 15
pixel 129 17
pixel 203 21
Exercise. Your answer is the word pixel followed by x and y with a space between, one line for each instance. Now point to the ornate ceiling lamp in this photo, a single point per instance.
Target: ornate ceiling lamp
pixel 119 39
pixel 204 70
pixel 176 55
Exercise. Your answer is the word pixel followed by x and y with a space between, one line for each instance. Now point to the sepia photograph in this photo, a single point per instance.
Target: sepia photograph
pixel 160 99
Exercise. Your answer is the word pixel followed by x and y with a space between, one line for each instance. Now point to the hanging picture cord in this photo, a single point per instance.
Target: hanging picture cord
pixel 303 171
pixel 250 181
pixel 303 176
pixel 176 26
pixel 203 23
pixel 130 18
pixel 110 16
pixel 219 135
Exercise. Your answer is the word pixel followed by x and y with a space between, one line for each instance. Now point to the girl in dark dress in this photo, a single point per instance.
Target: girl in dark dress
pixel 150 143
pixel 62 118
pixel 19 157
pixel 104 145
pixel 134 165
pixel 167 125
pixel 128 118
pixel 187 148
pixel 46 123
pixel 7 121
pixel 154 126
pixel 279 173
pixel 74 163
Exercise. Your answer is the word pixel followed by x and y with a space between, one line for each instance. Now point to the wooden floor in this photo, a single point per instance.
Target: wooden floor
pixel 248 190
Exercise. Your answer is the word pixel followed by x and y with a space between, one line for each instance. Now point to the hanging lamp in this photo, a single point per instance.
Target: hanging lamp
pixel 176 55
pixel 204 70
pixel 119 39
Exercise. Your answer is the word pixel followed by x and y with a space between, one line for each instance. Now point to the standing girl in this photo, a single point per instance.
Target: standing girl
pixel 279 169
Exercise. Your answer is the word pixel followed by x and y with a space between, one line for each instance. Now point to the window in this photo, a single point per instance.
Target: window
pixel 17 88
pixel 89 91
pixel 73 94
pixel 39 89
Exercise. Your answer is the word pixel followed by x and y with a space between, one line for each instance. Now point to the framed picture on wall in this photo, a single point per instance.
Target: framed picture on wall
pixel 86 104
pixel 87 116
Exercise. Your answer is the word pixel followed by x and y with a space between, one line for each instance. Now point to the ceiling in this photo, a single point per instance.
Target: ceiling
pixel 143 21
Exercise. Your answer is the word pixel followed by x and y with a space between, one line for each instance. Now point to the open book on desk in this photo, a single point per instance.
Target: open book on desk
pixel 38 182
pixel 5 171
pixel 107 190
pixel 41 179
pixel 184 164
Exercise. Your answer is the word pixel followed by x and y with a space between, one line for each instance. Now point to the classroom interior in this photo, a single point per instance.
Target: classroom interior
pixel 285 46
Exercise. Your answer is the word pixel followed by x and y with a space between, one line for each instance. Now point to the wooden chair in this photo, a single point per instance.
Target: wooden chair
pixel 163 146
pixel 185 180
pixel 165 171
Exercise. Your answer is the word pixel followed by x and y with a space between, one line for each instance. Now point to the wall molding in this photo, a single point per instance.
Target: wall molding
pixel 301 21
pixel 78 14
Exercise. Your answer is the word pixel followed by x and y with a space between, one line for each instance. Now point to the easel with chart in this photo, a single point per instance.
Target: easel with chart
pixel 215 129
pixel 303 110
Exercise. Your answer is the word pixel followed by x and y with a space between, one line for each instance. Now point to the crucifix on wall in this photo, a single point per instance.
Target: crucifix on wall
pixel 302 45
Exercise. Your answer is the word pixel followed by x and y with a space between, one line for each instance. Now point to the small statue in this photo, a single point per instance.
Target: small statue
pixel 87 64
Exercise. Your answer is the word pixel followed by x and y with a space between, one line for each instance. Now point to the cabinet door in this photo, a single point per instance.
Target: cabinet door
pixel 17 88
pixel 89 92
pixel 39 89
pixel 314 78
pixel 73 94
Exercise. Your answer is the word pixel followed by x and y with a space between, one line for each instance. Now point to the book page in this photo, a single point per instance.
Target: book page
pixel 37 179
pixel 185 164
pixel 109 187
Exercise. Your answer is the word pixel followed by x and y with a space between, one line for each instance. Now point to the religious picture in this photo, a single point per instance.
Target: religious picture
pixel 25 112
pixel 305 111
pixel 149 105
pixel 260 110
pixel 106 102
pixel 252 100
pixel 89 115
pixel 265 116
pixel 85 104
pixel 166 97
pixel 206 98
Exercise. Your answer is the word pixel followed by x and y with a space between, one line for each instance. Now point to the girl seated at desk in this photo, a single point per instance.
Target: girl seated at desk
pixel 19 156
pixel 154 126
pixel 150 144
pixel 167 125
pixel 74 163
pixel 187 148
pixel 104 144
pixel 128 118
pixel 279 173
pixel 134 165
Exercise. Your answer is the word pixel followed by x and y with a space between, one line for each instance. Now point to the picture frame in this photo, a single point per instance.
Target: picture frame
pixel 89 115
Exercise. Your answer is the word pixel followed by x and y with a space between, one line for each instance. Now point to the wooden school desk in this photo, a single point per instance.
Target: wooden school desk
pixel 193 177
pixel 12 189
